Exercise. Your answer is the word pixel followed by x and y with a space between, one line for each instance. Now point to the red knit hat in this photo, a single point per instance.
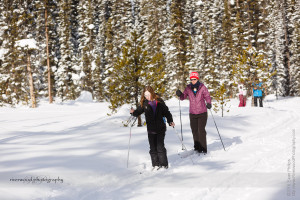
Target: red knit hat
pixel 194 75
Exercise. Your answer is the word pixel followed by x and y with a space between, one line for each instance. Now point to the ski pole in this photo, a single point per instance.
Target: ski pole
pixel 183 146
pixel 180 123
pixel 129 141
pixel 129 120
pixel 217 129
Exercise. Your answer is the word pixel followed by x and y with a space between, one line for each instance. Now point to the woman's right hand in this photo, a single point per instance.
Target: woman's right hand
pixel 131 110
pixel 178 93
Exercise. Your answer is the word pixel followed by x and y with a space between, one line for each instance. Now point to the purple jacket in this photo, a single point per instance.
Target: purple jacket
pixel 197 103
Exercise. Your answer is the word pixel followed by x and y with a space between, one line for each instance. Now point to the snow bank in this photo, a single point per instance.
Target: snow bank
pixel 85 97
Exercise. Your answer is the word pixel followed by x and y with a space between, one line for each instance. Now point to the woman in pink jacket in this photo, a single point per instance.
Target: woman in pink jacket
pixel 200 100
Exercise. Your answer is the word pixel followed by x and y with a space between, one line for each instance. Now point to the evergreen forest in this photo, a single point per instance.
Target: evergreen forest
pixel 56 49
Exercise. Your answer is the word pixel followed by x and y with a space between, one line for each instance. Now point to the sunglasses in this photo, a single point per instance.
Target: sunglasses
pixel 193 79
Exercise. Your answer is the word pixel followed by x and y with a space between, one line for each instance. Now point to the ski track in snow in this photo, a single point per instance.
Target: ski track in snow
pixel 88 149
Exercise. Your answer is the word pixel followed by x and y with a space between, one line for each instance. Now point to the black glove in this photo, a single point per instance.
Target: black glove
pixel 208 106
pixel 178 93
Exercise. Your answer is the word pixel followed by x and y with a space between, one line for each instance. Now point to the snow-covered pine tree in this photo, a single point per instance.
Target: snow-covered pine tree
pixel 191 21
pixel 153 19
pixel 277 47
pixel 98 63
pixel 13 70
pixel 119 24
pixel 238 30
pixel 133 68
pixel 152 31
pixel 295 60
pixel 44 34
pixel 227 53
pixel 87 34
pixel 200 39
pixel 274 46
pixel 38 11
pixel 3 72
pixel 177 43
pixel 212 69
pixel 250 65
pixel 104 40
pixel 125 83
pixel 67 74
pixel 27 47
pixel 295 48
pixel 285 70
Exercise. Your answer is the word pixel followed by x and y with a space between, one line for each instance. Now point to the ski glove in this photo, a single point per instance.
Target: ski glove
pixel 208 106
pixel 178 93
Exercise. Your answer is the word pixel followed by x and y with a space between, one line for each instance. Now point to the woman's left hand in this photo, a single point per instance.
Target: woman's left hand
pixel 172 124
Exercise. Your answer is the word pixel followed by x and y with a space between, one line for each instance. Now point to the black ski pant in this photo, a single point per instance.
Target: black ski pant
pixel 158 151
pixel 260 101
pixel 198 123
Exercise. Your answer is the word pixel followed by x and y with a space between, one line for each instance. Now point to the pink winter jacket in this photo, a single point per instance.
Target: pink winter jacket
pixel 197 103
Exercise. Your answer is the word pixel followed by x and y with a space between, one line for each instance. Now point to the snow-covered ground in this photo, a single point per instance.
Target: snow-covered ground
pixel 76 151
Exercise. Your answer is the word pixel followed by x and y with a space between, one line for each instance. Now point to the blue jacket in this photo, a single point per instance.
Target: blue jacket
pixel 257 92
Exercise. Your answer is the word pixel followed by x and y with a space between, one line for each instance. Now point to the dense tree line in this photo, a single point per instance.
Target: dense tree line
pixel 113 48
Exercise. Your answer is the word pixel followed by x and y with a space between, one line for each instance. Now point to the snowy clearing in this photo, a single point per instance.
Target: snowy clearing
pixel 76 151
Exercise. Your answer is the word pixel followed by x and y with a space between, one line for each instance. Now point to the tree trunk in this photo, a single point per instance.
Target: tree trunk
pixel 137 100
pixel 32 96
pixel 48 60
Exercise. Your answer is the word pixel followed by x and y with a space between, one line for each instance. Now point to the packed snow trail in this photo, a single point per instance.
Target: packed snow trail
pixel 86 151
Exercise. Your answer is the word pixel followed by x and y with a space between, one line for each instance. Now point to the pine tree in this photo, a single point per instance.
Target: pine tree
pixel 201 40
pixel 285 48
pixel 67 77
pixel 118 27
pixel 87 40
pixel 13 73
pixel 3 73
pixel 222 98
pixel 250 65
pixel 133 70
pixel 295 48
pixel 191 20
pixel 152 23
pixel 213 69
pixel 103 62
pixel 28 46
pixel 227 53
pixel 177 41
pixel 126 77
pixel 238 32
pixel 44 34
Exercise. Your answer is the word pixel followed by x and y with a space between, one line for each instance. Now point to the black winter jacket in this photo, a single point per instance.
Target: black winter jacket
pixel 155 123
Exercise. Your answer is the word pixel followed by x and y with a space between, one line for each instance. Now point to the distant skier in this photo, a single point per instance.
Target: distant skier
pixel 155 110
pixel 198 95
pixel 258 90
pixel 242 94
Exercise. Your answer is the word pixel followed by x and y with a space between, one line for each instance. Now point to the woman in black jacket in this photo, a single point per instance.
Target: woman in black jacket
pixel 155 110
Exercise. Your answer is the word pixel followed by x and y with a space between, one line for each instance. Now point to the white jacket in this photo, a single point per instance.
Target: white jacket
pixel 242 89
